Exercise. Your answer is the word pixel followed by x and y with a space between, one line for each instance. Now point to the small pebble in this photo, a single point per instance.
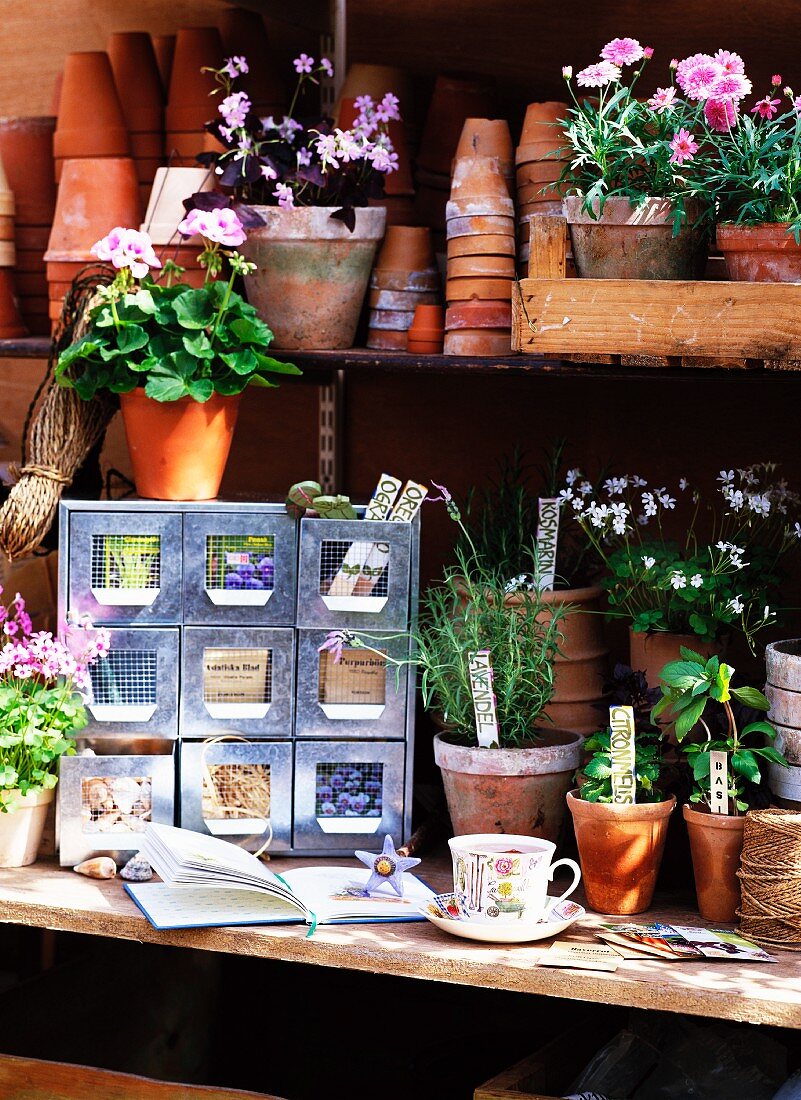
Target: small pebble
pixel 137 869
pixel 98 867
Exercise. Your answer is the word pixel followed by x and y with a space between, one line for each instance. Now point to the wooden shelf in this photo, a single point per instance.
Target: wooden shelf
pixel 45 896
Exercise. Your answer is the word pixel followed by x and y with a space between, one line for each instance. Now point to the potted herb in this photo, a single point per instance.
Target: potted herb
pixel 503 527
pixel 178 357
pixel 693 589
pixel 631 182
pixel 693 689
pixel 41 678
pixel 621 843
pixel 309 185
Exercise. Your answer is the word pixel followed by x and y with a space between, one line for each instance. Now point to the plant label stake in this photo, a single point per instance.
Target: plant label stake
pixel 624 782
pixel 379 507
pixel 405 510
pixel 384 496
pixel 480 669
pixel 547 536
pixel 409 503
pixel 719 782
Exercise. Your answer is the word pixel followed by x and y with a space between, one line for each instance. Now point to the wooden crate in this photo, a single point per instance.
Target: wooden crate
pixel 548 1073
pixel 650 322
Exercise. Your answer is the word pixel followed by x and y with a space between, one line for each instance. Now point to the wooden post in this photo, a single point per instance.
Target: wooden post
pixel 548 246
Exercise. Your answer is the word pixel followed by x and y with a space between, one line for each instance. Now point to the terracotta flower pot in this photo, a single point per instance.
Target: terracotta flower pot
pixel 407 300
pixel 244 35
pixel 649 653
pixel 94 196
pixel 716 843
pixel 418 281
pixel 760 253
pixel 540 122
pixel 454 99
pixel 101 132
pixel 471 266
pixel 488 137
pixel 164 49
pixel 21 829
pixel 188 104
pixel 549 151
pixel 481 224
pixel 518 791
pixel 532 194
pixel 478 188
pixel 397 320
pixel 181 147
pixel 634 243
pixel 32 238
pixel 26 150
pixel 178 448
pixel 312 273
pixel 473 315
pixel 481 244
pixel 463 289
pixel 423 347
pixel 429 318
pixel 386 340
pixel 539 172
pixel 165 209
pixel 406 248
pixel 138 81
pixel 620 851
pixel 478 342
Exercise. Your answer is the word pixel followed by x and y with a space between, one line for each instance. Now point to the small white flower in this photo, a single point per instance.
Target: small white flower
pixel 648 561
pixel 649 504
pixel 797 530
pixel 585 488
pixel 736 605
pixel 696 580
pixel 678 580
pixel 565 495
pixel 642 519
pixel 615 485
pixel 683 483
pixel 726 476
pixel 637 481
pixel 572 476
pixel 577 503
pixel 767 611
pixel 667 501
pixel 760 504
pixel 737 499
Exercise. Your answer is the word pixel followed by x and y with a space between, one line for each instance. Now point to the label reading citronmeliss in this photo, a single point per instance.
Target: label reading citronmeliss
pixel 624 780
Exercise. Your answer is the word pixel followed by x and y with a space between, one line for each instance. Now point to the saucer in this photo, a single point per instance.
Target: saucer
pixel 518 932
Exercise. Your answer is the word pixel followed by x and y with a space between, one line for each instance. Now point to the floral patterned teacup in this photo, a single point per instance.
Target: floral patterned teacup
pixel 502 878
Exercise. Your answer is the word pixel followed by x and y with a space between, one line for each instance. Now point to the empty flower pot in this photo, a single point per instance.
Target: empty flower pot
pixel 541 122
pixel 33 238
pixel 401 299
pixel 475 315
pixel 478 225
pixel 406 248
pixel 386 340
pixel 26 150
pixel 479 180
pixel 80 132
pixel 94 196
pixel 165 208
pixel 481 244
pixel 463 289
pixel 649 653
pixel 488 137
pixel 538 171
pixel 455 98
pixel 189 105
pixel 164 49
pixel 393 320
pixel 183 146
pixel 470 266
pixel 427 330
pixel 479 342
pixel 531 194
pixel 427 280
pixel 137 79
pixel 244 35
pixel 765 253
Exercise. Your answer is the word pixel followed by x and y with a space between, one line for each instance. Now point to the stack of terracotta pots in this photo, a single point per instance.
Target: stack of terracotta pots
pixel 90 119
pixel 244 35
pixel 481 263
pixel 164 48
pixel 165 211
pixel 136 75
pixel 11 324
pixel 405 276
pixel 189 102
pixel 94 196
pixel 455 99
pixel 538 167
pixel 26 149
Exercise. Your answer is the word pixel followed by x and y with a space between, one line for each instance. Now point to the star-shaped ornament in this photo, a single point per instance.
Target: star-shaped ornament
pixel 388 867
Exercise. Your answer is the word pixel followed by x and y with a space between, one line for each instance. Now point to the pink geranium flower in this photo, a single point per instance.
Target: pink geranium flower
pixel 127 248
pixel 598 75
pixel 622 51
pixel 720 114
pixel 766 108
pixel 730 62
pixel 218 226
pixel 684 147
pixel 663 99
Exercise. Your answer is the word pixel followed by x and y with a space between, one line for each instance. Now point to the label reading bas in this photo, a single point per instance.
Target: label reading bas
pixel 547 538
pixel 359 677
pixel 480 669
pixel 624 784
pixel 236 675
pixel 719 782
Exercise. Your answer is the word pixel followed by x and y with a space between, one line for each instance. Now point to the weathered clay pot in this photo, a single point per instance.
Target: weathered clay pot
pixel 188 104
pixel 407 300
pixel 503 224
pixel 488 137
pixel 760 253
pixel 628 242
pixel 620 850
pixel 481 288
pixel 509 790
pixel 716 842
pixel 312 273
pixel 454 99
pixel 11 324
pixel 478 342
pixel 26 149
pixel 100 133
pixel 386 339
pixel 178 448
pixel 427 330
pixel 783 689
pixel 481 244
pixel 540 121
pixel 137 79
pixel 406 248
pixel 485 265
pixel 94 196
pixel 649 653
pixel 164 49
pixel 473 315
pixel 21 830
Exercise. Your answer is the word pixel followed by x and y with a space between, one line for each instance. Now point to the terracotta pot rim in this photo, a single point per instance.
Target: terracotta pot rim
pixel 138 394
pixel 706 820
pixel 565 756
pixel 655 212
pixel 607 811
pixel 783 665
pixel 315 222
pixel 31 799
pixel 764 237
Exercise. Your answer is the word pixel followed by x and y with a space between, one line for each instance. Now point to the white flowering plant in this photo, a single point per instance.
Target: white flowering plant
pixel 701 586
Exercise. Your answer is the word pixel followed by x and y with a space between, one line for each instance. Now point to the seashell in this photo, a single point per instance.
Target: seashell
pixel 87 752
pixel 125 791
pixel 137 869
pixel 99 867
pixel 96 793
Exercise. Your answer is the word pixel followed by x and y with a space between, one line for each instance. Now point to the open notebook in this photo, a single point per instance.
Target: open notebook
pixel 208 882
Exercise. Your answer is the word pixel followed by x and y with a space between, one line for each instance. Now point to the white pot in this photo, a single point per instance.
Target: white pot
pixel 165 207
pixel 22 827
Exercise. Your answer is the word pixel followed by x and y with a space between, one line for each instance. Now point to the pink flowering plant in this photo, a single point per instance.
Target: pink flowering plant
pixel 161 334
pixel 41 703
pixel 296 160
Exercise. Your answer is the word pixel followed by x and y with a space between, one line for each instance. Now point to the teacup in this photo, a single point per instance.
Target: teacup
pixel 501 878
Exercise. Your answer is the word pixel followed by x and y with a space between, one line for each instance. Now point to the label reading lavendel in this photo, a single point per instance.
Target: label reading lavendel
pixel 624 783
pixel 480 669
pixel 719 782
pixel 547 537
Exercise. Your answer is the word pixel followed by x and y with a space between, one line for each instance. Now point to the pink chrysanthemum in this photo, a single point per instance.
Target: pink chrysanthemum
pixel 720 114
pixel 731 86
pixel 597 76
pixel 663 100
pixel 684 147
pixel 797 104
pixel 622 51
pixel 730 62
pixel 697 83
pixel 684 66
pixel 766 108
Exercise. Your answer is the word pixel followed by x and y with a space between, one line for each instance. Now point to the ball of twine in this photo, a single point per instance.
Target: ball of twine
pixel 770 878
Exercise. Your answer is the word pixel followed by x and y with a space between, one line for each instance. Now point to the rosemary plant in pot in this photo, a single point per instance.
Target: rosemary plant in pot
pixel 696 692
pixel 179 357
pixel 631 197
pixel 504 527
pixel 308 186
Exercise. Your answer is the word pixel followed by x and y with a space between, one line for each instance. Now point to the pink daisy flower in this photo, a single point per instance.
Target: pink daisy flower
pixel 766 108
pixel 720 114
pixel 698 82
pixel 622 51
pixel 663 99
pixel 797 104
pixel 597 76
pixel 683 67
pixel 731 86
pixel 684 147
pixel 730 62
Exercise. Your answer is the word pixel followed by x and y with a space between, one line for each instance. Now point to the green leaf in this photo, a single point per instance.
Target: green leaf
pixel 265 383
pixel 193 309
pixel 199 345
pixel 251 330
pixel 165 387
pixel 700 766
pixel 759 727
pixel 597 768
pixel 131 338
pixel 689 718
pixel 691 656
pixel 274 366
pixel 745 763
pixel 751 697
pixel 200 389
pixel 241 362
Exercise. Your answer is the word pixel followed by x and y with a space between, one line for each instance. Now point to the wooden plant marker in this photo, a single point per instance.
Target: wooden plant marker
pixel 624 781
pixel 719 782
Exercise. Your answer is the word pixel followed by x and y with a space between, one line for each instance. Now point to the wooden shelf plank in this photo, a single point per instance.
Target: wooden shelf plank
pixel 45 896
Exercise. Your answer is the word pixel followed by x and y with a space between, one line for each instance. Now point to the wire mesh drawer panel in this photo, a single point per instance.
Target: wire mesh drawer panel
pixel 360 695
pixel 354 573
pixel 125 567
pixel 105 803
pixel 239 681
pixel 134 690
pixel 239 567
pixel 347 794
pixel 238 790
